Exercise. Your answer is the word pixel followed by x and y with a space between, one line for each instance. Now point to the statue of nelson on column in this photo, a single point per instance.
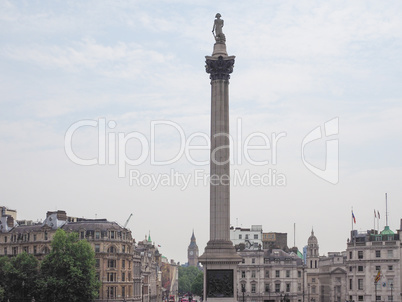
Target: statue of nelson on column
pixel 218 24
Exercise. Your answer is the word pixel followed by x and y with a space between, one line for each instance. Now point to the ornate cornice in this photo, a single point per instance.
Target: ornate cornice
pixel 219 69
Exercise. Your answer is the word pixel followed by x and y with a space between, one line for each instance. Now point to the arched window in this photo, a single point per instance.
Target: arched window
pixel 111 249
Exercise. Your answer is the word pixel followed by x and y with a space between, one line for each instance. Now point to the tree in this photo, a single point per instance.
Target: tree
pixel 187 277
pixel 198 285
pixel 68 271
pixel 19 276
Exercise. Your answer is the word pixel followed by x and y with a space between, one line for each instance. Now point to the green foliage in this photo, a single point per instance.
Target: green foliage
pixel 190 280
pixel 19 277
pixel 68 272
pixel 198 285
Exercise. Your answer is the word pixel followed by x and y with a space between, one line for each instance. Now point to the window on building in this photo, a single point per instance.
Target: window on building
pixel 313 280
pixel 298 287
pixel 246 236
pixel 15 250
pixel 111 263
pixel 266 274
pixel 123 249
pixel 252 274
pixel 267 290
pixel 360 268
pixel 129 276
pixel 313 289
pixel 5 251
pixel 350 284
pixel 123 291
pixel 390 298
pixel 277 274
pixel 277 287
pixel 361 298
pixel 240 236
pixel 315 264
pixel 34 237
pixel 287 287
pixel 288 274
pixel 111 292
pixel 378 298
pixel 97 248
pixel 82 235
pixel 390 253
pixel 46 236
pixel 243 260
pixel 97 262
pixel 378 268
pixel 35 250
pixel 299 274
pixel 255 236
pixel 112 234
pixel 350 268
pixel 97 235
pixel 111 250
pixel 360 284
pixel 311 263
pixel 123 263
pixel 111 277
pixel 243 274
pixel 253 288
pixel 252 260
pixel 5 238
pixel 350 255
pixel 378 254
pixel 390 268
pixel 123 276
pixel 360 254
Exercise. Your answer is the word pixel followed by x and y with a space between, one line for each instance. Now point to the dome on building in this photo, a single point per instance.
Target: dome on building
pixel 312 239
pixel 387 231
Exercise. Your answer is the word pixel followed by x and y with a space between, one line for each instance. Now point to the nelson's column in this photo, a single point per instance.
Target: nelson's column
pixel 220 259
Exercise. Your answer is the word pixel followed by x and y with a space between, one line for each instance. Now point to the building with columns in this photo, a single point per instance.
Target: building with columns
pixel 128 272
pixel 370 255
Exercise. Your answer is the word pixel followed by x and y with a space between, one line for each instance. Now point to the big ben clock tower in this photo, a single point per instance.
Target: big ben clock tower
pixel 192 252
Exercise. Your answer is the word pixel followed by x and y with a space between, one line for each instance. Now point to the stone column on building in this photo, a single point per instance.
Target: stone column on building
pixel 220 259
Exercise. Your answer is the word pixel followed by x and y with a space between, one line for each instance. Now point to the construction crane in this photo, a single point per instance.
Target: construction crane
pixel 128 220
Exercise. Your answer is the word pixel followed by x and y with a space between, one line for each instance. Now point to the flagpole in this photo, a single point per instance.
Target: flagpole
pixel 374 221
pixel 352 219
pixel 386 209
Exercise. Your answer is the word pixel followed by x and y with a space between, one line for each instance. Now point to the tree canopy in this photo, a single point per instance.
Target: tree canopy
pixel 191 279
pixel 68 272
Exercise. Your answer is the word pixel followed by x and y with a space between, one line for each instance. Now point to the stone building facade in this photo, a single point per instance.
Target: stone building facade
pixel 270 276
pixel 127 272
pixel 250 237
pixel 371 254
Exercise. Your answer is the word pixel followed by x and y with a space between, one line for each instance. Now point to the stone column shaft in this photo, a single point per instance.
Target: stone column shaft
pixel 220 165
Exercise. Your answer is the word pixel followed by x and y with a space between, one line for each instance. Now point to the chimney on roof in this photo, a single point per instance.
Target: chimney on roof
pixel 10 221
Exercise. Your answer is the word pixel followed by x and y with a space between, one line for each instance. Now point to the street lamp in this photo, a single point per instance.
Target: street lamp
pixel 243 289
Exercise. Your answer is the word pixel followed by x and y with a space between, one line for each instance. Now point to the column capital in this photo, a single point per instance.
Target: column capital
pixel 219 68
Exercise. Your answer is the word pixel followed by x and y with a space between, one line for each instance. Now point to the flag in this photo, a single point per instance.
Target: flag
pixel 354 218
pixel 378 214
pixel 378 277
pixel 375 215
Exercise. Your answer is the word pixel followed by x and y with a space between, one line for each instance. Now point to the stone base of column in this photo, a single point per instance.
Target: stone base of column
pixel 220 262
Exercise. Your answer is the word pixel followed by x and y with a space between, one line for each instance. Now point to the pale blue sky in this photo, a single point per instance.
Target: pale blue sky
pixel 298 65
